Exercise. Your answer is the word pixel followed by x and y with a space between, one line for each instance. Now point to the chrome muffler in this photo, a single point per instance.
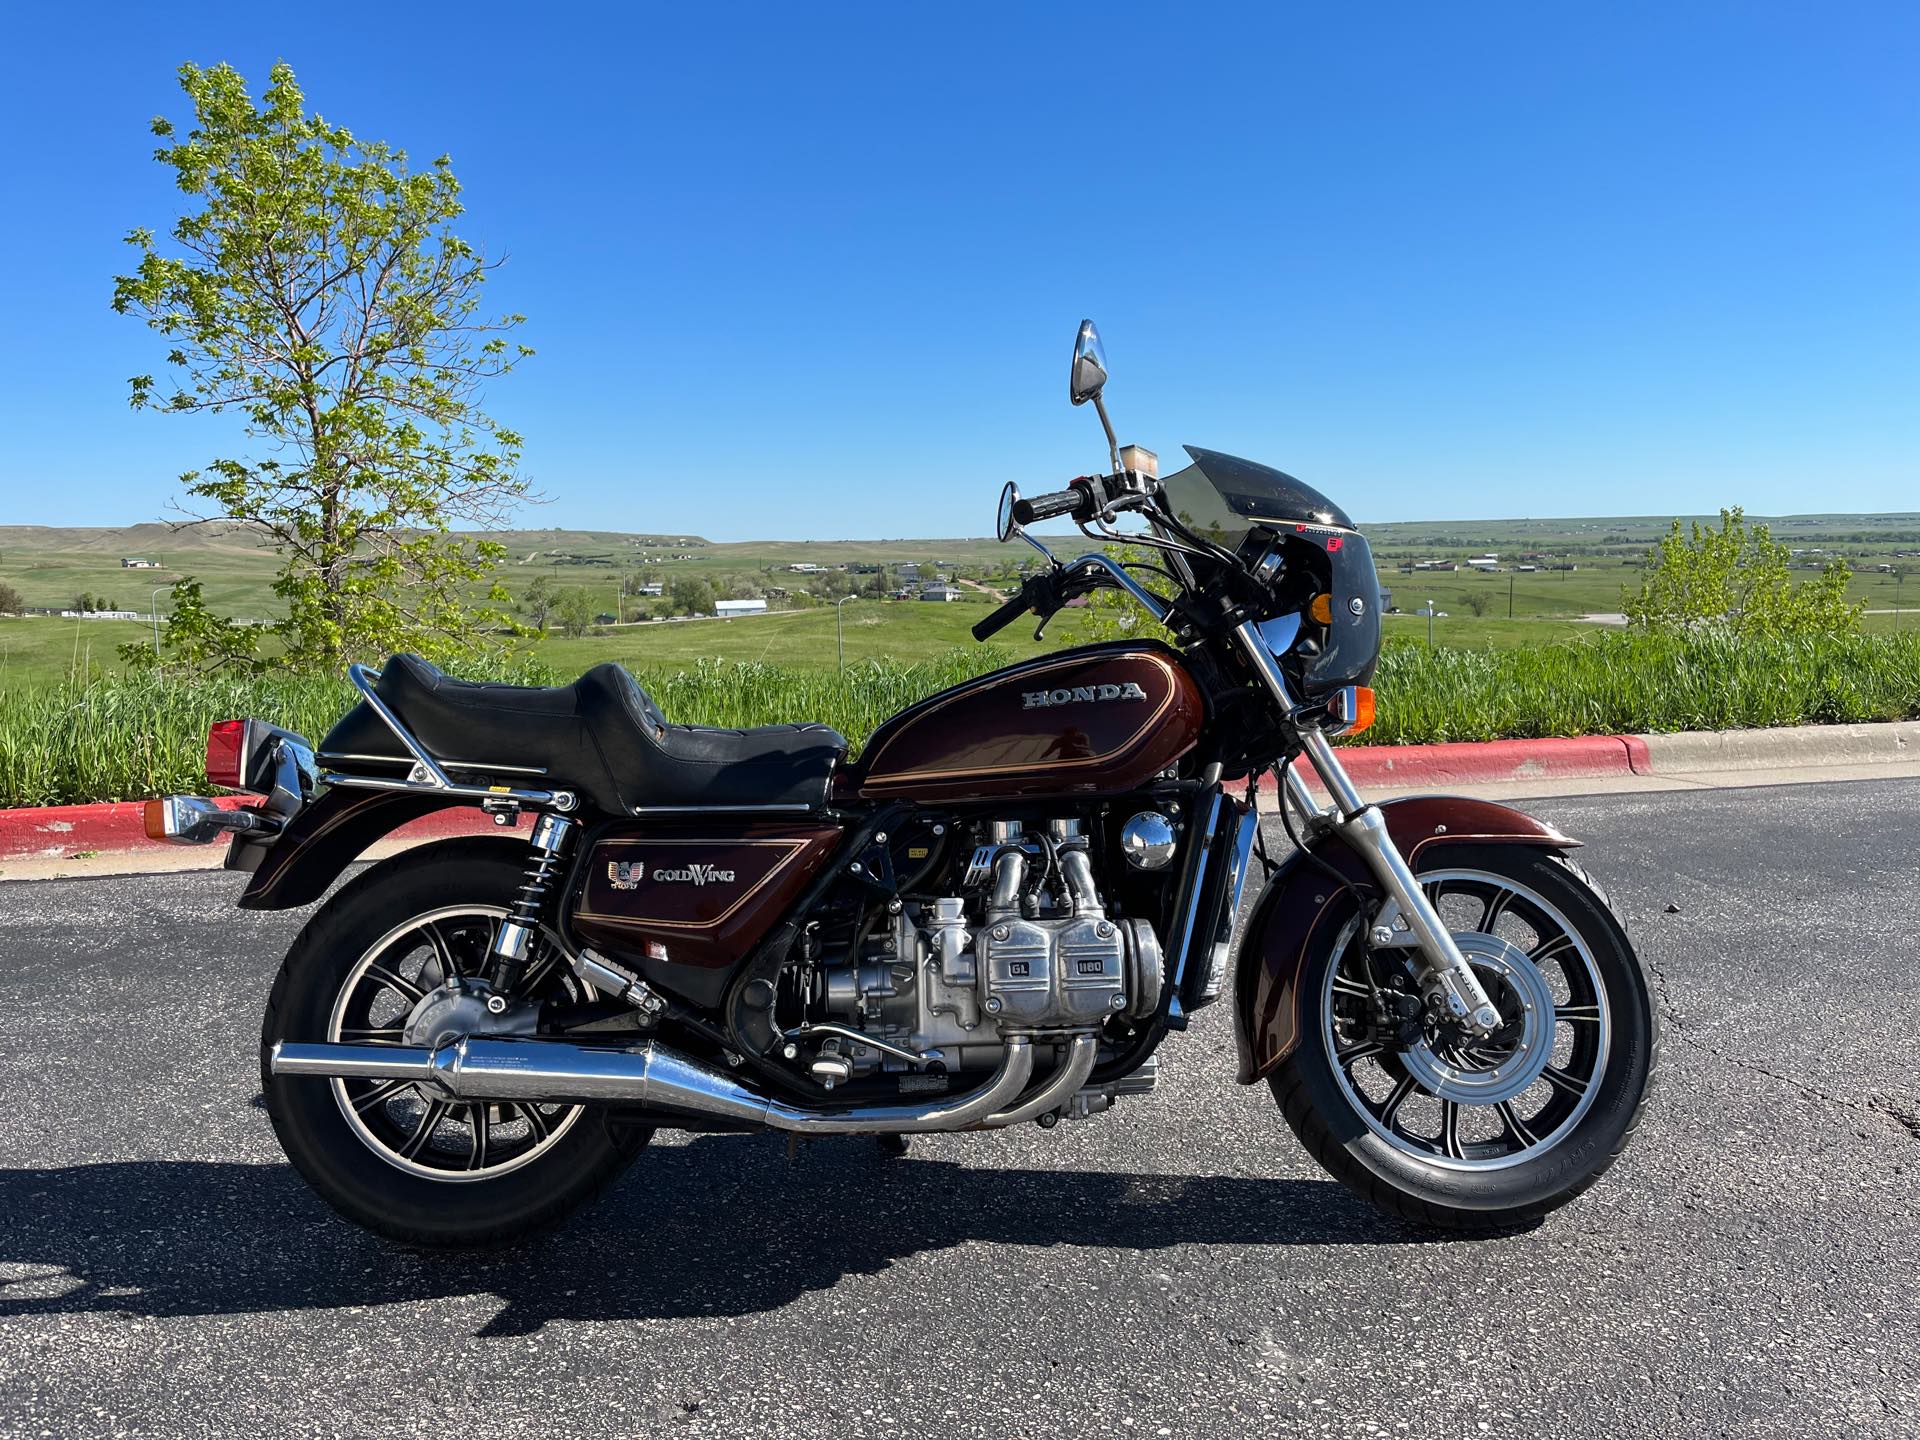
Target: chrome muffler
pixel 649 1075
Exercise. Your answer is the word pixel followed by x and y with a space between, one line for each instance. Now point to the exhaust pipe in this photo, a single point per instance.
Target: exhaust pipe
pixel 650 1075
pixel 1061 1087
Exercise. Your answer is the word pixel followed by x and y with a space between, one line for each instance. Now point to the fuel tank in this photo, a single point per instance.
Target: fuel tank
pixel 1101 719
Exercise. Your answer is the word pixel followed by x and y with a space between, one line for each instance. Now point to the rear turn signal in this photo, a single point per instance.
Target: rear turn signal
pixel 1321 609
pixel 1352 709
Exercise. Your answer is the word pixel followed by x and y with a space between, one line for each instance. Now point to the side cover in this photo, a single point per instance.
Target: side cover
pixel 1303 910
pixel 684 903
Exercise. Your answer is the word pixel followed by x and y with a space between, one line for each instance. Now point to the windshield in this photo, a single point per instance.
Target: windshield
pixel 1223 496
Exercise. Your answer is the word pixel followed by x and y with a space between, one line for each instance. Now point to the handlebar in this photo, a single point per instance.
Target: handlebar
pixel 1007 613
pixel 1075 500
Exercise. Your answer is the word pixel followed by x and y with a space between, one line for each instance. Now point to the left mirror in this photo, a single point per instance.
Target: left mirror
pixel 1089 364
pixel 1003 523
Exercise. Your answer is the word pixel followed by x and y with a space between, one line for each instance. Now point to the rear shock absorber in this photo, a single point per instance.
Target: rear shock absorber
pixel 550 838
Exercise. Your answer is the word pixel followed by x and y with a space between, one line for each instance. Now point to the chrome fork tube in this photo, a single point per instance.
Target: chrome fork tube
pixel 1365 828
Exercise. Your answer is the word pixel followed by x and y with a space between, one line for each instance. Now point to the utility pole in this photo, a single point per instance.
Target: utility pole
pixel 840 627
pixel 1429 624
pixel 1509 597
pixel 153 614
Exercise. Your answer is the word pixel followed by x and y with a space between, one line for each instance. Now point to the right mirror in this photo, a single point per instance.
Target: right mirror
pixel 1089 364
pixel 1003 523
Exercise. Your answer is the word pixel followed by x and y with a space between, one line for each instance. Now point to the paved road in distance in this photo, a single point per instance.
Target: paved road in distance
pixel 1177 1267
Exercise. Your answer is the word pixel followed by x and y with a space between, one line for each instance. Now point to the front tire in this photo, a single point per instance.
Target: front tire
pixel 402 1163
pixel 1463 1133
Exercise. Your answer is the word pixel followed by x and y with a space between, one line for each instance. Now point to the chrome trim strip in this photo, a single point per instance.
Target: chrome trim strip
pixel 558 799
pixel 783 809
pixel 488 766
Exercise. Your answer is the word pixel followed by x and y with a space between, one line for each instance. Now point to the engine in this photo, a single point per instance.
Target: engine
pixel 1025 947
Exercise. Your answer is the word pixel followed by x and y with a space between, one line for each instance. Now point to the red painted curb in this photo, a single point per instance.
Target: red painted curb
pixel 57 832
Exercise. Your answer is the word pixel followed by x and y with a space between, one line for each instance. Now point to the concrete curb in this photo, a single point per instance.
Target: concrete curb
pixel 72 831
pixel 1786 746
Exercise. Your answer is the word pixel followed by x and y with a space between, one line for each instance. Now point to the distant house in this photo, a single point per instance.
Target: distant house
pixel 653 587
pixel 739 607
pixel 940 592
pixel 131 564
pixel 605 619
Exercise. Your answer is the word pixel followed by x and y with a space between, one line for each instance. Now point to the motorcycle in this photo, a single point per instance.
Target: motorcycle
pixel 995 914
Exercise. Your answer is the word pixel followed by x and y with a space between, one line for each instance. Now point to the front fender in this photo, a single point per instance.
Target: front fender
pixel 322 840
pixel 1301 904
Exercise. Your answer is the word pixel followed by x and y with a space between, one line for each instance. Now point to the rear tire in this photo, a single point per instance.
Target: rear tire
pixel 1511 1177
pixel 566 1156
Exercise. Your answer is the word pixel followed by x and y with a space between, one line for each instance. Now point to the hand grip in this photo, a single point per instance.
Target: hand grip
pixel 1029 511
pixel 1002 617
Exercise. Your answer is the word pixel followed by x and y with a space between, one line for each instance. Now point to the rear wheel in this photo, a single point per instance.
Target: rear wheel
pixel 1449 1128
pixel 396 1157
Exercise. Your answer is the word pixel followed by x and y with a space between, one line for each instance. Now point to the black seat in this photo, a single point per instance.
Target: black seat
pixel 602 735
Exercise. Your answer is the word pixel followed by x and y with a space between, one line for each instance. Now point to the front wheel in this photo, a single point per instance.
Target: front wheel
pixel 1448 1128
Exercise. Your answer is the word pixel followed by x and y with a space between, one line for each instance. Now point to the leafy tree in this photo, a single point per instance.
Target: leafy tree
pixel 1737 577
pixel 879 587
pixel 315 289
pixel 691 597
pixel 10 601
pixel 1479 602
pixel 574 611
pixel 538 602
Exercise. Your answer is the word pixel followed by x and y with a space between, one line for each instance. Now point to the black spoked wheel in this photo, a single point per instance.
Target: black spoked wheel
pixel 414 1129
pixel 373 967
pixel 1450 1127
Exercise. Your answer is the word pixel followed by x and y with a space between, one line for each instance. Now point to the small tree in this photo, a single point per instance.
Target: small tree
pixel 574 613
pixel 691 597
pixel 1479 602
pixel 316 290
pixel 10 601
pixel 537 604
pixel 1738 577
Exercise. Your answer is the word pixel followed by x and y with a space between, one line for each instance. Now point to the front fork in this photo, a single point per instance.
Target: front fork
pixel 1365 828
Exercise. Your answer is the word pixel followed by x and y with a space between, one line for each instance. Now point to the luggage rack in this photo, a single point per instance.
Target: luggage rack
pixel 427 776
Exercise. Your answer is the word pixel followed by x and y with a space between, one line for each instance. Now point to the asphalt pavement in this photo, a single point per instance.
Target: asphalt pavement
pixel 1176 1267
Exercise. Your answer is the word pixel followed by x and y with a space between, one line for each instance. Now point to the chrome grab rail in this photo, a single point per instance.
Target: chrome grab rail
pixel 436 780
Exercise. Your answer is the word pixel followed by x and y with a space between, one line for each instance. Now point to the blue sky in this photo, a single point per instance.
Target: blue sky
pixel 814 270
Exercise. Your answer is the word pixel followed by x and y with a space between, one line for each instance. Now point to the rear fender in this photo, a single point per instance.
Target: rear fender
pixel 298 864
pixel 1302 907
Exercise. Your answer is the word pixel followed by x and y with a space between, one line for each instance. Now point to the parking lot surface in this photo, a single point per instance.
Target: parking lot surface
pixel 1176 1267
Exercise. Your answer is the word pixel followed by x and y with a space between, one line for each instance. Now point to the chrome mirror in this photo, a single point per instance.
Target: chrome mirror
pixel 1004 527
pixel 1089 365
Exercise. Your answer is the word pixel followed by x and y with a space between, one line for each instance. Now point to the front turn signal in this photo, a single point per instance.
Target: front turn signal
pixel 1352 709
pixel 1321 609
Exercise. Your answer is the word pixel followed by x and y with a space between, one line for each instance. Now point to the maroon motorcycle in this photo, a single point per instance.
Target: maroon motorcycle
pixel 994 915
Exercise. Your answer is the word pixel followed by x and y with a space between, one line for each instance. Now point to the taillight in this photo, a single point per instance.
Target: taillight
pixel 227 754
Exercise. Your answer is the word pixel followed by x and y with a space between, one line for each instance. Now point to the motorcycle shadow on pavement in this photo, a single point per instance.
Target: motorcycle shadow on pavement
pixel 718 1227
